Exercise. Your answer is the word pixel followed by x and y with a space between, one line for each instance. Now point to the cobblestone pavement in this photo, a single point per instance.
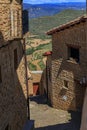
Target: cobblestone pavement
pixel 48 118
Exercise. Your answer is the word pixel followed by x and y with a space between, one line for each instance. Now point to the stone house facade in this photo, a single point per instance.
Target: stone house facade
pixel 69 64
pixel 13 106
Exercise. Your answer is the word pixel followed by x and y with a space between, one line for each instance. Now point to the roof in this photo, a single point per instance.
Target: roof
pixel 47 53
pixel 67 25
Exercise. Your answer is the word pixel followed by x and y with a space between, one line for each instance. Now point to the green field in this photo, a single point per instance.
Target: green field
pixel 40 47
pixel 32 67
pixel 41 25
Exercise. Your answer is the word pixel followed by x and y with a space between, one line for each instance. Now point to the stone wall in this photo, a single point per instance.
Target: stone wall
pixel 49 77
pixel 13 105
pixel 45 84
pixel 10 20
pixel 66 70
pixel 13 110
pixel 84 113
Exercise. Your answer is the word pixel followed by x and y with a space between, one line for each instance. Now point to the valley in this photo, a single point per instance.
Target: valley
pixel 38 42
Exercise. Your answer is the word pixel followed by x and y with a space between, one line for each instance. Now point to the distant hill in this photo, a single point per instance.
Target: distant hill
pixel 40 10
pixel 40 25
pixel 39 42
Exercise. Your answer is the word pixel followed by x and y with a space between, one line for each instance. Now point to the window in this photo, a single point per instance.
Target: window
pixel 65 86
pixel 65 83
pixel 0 75
pixel 15 59
pixel 73 54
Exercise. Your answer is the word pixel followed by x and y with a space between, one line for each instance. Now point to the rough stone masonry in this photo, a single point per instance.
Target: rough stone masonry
pixel 13 109
pixel 69 64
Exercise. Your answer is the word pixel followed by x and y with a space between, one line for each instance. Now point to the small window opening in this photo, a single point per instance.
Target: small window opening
pixel 73 54
pixel 15 59
pixel 65 83
pixel 0 75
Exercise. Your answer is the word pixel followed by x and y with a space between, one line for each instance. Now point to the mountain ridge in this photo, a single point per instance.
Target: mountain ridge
pixel 40 10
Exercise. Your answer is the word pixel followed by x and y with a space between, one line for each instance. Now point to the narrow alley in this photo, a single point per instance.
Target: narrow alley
pixel 48 118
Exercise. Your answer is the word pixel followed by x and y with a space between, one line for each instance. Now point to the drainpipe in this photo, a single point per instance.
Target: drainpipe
pixel 26 76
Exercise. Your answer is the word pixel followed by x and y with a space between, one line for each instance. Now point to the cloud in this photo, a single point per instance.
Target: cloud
pixel 50 1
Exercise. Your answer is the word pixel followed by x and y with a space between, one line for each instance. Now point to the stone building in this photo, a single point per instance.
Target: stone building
pixel 35 83
pixel 46 77
pixel 13 106
pixel 69 64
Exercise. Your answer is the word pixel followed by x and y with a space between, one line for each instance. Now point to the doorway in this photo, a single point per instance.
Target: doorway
pixel 35 88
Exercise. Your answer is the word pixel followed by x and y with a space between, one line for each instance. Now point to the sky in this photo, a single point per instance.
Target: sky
pixel 50 1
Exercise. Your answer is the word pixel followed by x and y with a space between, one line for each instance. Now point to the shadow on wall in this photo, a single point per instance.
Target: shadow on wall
pixel 43 83
pixel 73 124
pixel 76 90
pixel 73 96
pixel 46 79
pixel 13 110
